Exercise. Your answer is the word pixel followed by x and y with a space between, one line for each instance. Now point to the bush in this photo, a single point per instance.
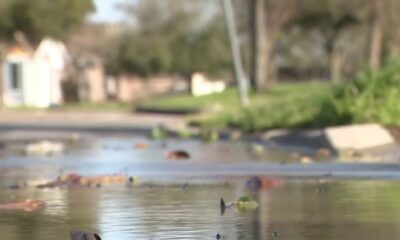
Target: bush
pixel 372 97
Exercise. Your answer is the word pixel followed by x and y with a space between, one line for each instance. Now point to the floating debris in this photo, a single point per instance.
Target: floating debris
pixel 103 180
pixel 78 235
pixel 44 148
pixel 324 152
pixel 271 182
pixel 177 155
pixel 76 180
pixel 28 205
pixel 15 186
pixel 141 146
pixel 244 203
pixel 257 149
pixel 256 183
pixel 306 160
pixel 274 234
pixel 218 236
pixel 253 183
pixel 222 206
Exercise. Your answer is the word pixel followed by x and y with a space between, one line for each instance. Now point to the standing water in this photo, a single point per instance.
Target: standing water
pixel 187 207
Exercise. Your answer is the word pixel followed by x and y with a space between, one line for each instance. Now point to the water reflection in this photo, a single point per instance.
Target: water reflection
pixel 296 210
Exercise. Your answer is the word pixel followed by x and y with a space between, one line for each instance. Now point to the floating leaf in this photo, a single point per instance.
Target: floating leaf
pixel 243 203
pixel 249 205
pixel 245 199
pixel 246 203
pixel 177 155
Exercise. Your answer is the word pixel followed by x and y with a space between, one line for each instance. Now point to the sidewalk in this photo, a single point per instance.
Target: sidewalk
pixel 86 120
pixel 113 122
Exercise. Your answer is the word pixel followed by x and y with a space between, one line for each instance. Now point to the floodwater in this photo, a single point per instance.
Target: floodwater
pixel 162 206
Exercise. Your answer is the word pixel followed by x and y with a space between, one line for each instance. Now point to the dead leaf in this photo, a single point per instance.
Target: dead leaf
pixel 177 155
pixel 141 146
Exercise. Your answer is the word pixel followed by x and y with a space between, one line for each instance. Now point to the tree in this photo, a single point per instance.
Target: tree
pixel 172 37
pixel 385 29
pixel 267 19
pixel 330 18
pixel 376 32
pixel 40 18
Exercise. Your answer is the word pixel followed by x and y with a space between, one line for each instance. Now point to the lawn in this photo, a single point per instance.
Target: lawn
pixel 284 105
pixel 371 97
pixel 106 106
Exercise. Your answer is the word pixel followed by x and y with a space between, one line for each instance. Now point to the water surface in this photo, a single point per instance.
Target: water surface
pixel 179 200
pixel 300 209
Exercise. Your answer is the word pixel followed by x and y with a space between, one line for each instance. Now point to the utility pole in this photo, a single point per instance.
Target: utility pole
pixel 236 55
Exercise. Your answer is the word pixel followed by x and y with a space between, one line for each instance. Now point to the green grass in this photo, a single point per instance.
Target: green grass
pixel 373 96
pixel 285 105
pixel 187 101
pixel 108 106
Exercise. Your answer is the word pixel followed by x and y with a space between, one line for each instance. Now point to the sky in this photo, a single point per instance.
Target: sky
pixel 106 11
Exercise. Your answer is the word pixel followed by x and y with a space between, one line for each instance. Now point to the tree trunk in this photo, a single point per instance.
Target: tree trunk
pixel 376 31
pixel 2 58
pixel 261 46
pixel 394 45
pixel 336 62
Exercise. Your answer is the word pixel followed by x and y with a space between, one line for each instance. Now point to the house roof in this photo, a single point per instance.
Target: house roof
pixel 52 51
pixel 18 51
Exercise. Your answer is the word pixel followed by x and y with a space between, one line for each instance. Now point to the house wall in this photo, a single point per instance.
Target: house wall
pixel 17 97
pixel 95 76
pixel 51 59
pixel 29 84
pixel 131 88
pixel 201 85
pixel 40 82
pixel 42 85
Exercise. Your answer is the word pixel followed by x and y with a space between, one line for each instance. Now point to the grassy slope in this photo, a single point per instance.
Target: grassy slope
pixel 373 96
pixel 276 108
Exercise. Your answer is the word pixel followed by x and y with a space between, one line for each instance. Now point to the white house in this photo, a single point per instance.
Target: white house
pixel 34 78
